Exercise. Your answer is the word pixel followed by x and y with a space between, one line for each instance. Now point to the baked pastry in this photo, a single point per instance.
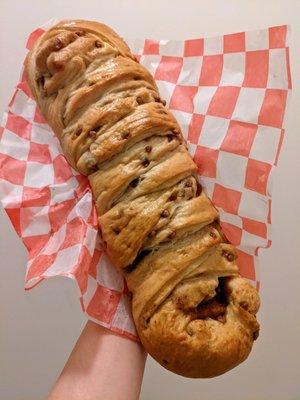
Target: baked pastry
pixel 194 313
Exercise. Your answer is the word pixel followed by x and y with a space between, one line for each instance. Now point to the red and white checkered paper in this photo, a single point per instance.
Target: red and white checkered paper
pixel 229 95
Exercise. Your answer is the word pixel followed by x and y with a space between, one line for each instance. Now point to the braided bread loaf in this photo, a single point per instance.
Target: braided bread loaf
pixel 193 312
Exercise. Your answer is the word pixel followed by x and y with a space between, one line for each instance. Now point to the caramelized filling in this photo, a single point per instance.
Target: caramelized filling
pixel 214 308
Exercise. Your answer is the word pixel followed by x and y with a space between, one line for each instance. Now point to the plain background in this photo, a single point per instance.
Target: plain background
pixel 38 329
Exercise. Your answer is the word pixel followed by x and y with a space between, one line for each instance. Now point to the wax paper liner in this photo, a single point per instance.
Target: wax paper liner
pixel 229 94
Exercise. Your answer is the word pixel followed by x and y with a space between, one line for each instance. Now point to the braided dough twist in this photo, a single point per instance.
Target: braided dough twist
pixel 193 312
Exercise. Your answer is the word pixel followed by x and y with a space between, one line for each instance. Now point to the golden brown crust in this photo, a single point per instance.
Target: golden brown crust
pixel 193 313
pixel 208 347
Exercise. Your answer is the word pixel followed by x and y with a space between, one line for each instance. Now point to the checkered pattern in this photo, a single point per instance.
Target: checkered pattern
pixel 229 94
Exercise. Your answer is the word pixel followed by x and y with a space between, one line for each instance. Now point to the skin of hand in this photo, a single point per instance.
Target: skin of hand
pixel 102 365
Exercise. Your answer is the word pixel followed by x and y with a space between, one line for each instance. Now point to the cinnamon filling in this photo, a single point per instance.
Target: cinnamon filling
pixel 214 308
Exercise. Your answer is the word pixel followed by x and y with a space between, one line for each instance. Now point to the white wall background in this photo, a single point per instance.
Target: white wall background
pixel 38 329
